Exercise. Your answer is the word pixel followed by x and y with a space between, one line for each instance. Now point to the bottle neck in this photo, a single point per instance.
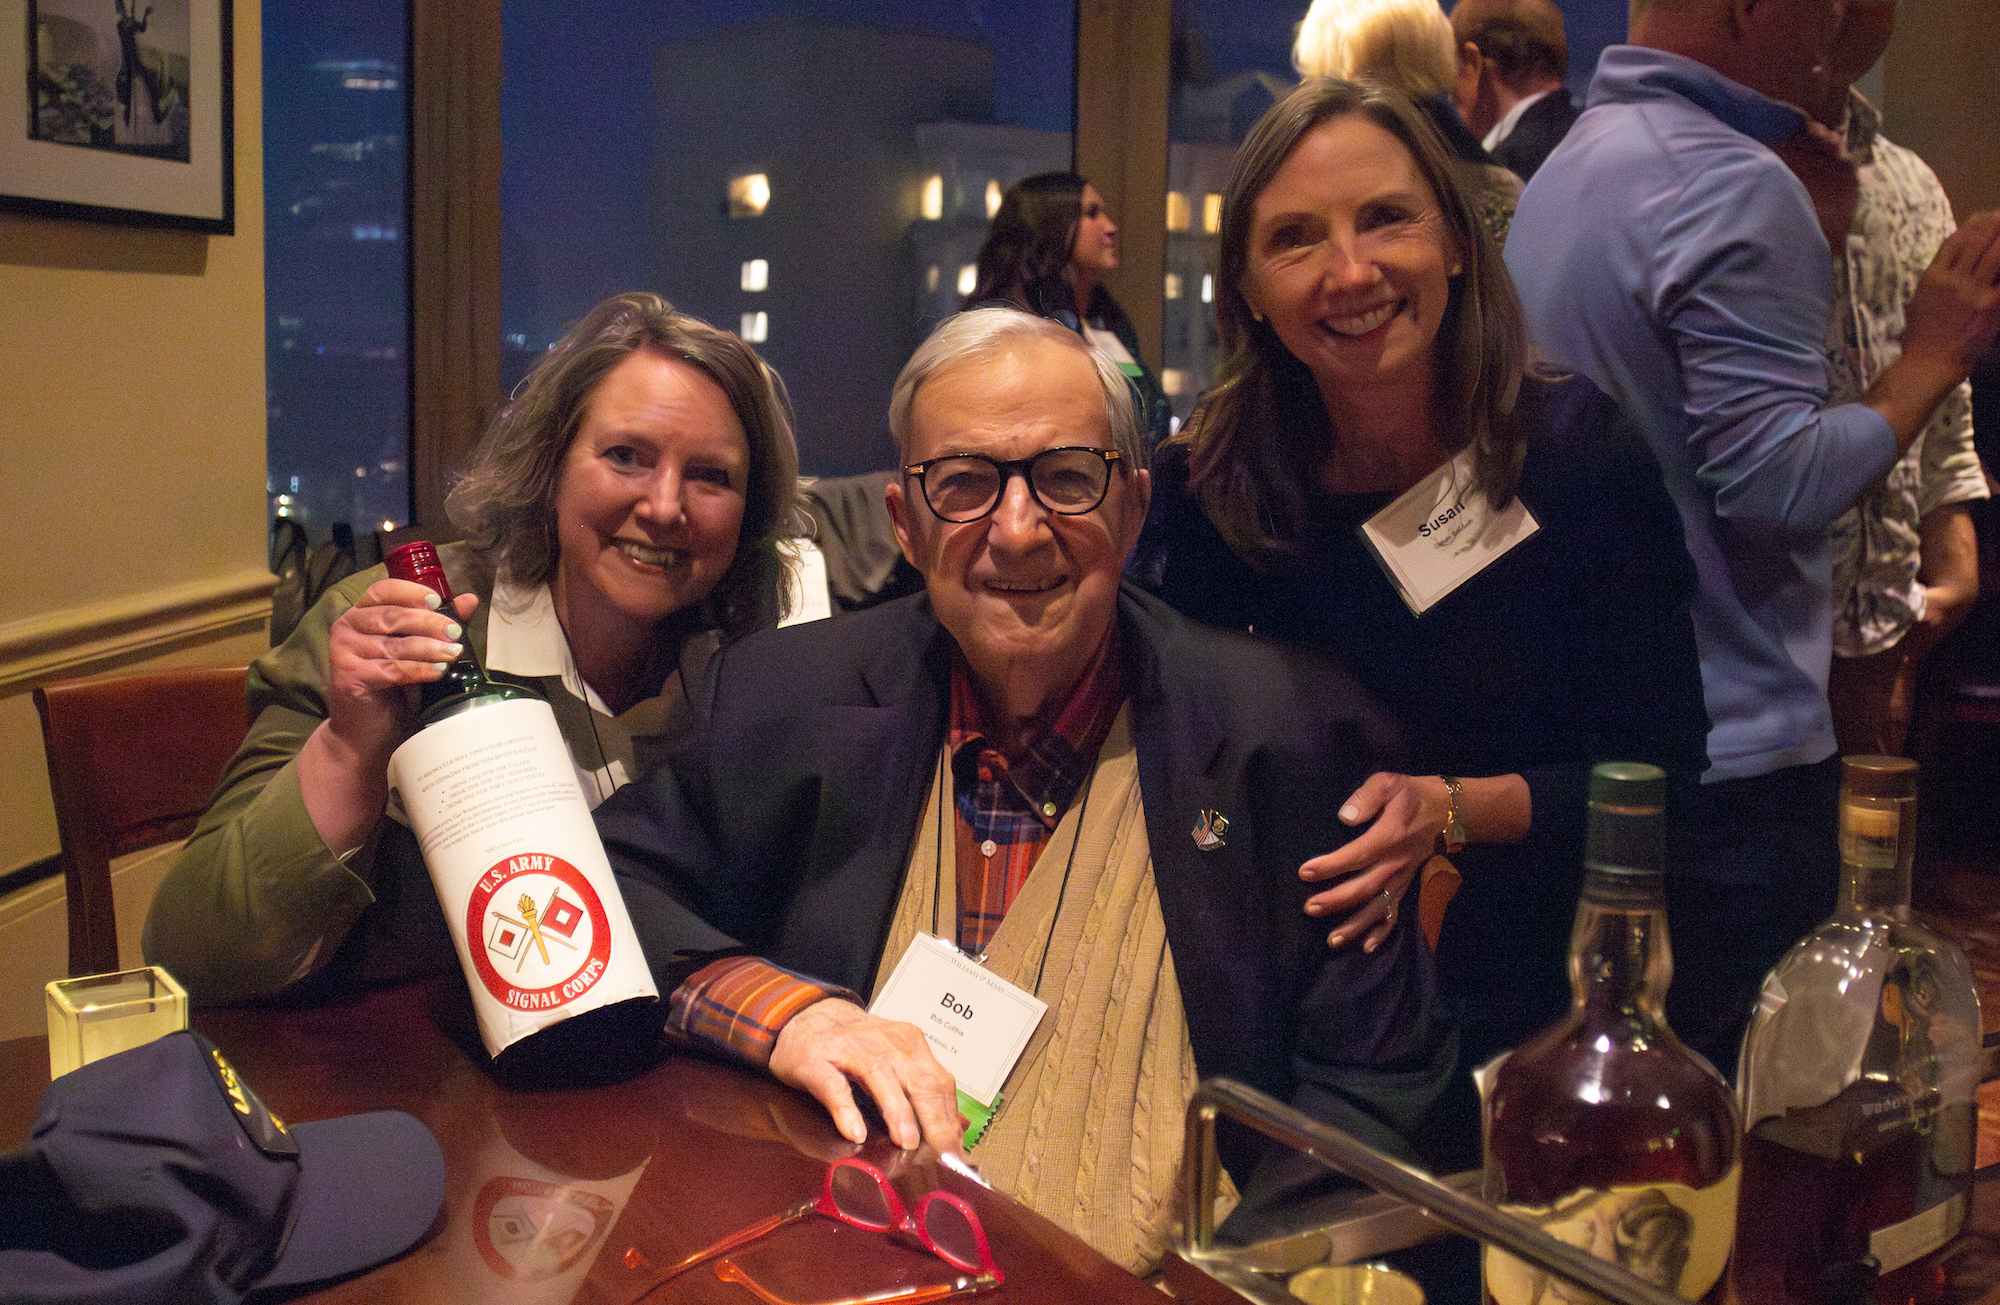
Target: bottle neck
pixel 1875 859
pixel 463 686
pixel 1619 958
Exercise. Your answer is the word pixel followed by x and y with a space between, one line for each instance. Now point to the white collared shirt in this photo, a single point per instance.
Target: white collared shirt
pixel 1505 127
pixel 524 638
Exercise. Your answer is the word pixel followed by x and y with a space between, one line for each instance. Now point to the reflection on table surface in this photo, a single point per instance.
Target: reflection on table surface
pixel 586 1193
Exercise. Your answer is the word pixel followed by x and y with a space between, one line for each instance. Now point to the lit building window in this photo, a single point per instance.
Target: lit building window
pixel 1173 285
pixel 968 278
pixel 1173 380
pixel 1211 213
pixel 756 275
pixel 992 198
pixel 756 327
pixel 1207 288
pixel 931 279
pixel 749 194
pixel 1178 213
pixel 932 204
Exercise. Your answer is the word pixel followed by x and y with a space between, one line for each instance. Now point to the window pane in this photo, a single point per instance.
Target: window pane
pixel 1232 60
pixel 817 175
pixel 336 270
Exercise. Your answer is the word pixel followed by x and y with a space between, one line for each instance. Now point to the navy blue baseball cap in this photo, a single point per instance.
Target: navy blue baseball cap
pixel 157 1176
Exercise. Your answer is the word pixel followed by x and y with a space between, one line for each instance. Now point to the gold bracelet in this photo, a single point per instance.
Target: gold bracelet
pixel 1451 838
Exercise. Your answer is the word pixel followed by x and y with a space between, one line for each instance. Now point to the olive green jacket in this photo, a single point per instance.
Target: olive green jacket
pixel 257 905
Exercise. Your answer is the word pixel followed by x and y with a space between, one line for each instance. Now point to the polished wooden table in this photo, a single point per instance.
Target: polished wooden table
pixel 583 1193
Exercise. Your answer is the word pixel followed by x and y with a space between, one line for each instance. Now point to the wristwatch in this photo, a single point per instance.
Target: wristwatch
pixel 1452 837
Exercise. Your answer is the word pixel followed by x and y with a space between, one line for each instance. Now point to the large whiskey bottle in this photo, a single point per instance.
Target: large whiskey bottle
pixel 1858 1076
pixel 1603 1128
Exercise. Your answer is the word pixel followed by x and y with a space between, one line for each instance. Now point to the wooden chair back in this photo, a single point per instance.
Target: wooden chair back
pixel 132 760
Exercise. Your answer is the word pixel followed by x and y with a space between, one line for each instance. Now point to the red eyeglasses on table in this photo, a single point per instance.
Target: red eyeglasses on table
pixel 856 1192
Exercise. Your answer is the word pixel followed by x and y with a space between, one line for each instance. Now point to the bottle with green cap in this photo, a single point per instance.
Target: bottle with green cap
pixel 1603 1128
pixel 1858 1077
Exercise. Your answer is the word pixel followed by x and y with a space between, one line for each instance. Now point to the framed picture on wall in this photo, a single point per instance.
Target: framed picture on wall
pixel 123 111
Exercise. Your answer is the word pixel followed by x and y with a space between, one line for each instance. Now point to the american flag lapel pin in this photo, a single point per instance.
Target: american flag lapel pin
pixel 1209 829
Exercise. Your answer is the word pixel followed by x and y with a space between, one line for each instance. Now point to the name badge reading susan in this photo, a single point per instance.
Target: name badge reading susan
pixel 976 1022
pixel 1441 532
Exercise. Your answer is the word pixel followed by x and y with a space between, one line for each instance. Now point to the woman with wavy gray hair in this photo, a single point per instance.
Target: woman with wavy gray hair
pixel 621 516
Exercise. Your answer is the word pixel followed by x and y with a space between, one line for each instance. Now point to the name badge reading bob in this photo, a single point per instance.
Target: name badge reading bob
pixel 977 1023
pixel 1441 532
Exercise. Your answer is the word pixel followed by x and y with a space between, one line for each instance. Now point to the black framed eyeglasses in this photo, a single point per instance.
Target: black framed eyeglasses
pixel 964 487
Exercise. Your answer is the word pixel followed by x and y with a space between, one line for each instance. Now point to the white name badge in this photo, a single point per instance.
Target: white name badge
pixel 1441 532
pixel 976 1021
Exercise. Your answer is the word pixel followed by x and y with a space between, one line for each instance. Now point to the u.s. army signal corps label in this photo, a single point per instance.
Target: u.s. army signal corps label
pixel 534 908
pixel 538 932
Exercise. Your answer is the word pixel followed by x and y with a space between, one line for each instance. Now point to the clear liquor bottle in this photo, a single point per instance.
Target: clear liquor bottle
pixel 1604 1128
pixel 1858 1079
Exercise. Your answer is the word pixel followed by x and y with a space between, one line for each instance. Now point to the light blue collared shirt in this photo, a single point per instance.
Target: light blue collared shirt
pixel 1666 253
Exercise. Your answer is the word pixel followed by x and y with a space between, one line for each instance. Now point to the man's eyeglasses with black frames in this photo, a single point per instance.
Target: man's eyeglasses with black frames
pixel 963 487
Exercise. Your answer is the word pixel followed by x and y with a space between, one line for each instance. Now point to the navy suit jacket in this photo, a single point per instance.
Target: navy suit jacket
pixel 1541 128
pixel 785 829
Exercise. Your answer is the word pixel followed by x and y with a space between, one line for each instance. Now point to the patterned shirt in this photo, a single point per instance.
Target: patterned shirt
pixel 1900 220
pixel 1007 807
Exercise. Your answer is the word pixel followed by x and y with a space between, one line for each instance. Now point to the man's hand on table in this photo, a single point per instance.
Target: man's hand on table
pixel 831 1045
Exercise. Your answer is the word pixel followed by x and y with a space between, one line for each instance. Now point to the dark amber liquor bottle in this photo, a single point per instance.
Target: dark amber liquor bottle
pixel 1858 1079
pixel 1603 1128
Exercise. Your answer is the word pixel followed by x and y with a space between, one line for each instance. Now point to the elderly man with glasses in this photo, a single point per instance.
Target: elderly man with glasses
pixel 1028 785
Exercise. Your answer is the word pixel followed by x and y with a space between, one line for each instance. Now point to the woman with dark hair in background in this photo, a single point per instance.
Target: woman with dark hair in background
pixel 621 516
pixel 1375 348
pixel 1048 250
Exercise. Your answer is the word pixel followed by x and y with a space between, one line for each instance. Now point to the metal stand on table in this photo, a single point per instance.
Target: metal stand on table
pixel 1411 1207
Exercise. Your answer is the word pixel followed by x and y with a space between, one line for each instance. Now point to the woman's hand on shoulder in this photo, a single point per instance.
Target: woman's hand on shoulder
pixel 391 639
pixel 1403 815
